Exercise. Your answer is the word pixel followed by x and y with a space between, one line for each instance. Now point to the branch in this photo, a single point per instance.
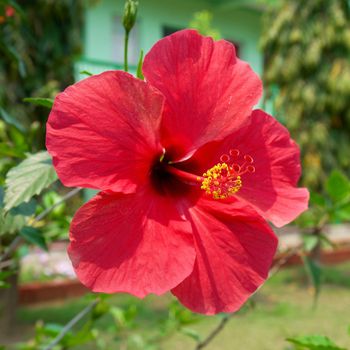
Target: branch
pixel 71 324
pixel 214 332
pixel 19 239
pixel 67 196
pixel 284 260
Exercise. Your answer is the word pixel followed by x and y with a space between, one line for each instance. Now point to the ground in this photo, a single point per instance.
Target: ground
pixel 283 308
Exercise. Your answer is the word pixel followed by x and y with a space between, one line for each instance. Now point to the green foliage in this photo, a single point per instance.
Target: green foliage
pixel 56 224
pixel 12 221
pixel 40 101
pixel 314 271
pixel 29 178
pixel 85 72
pixel 202 21
pixel 3 277
pixel 314 342
pixel 33 235
pixel 38 46
pixel 333 207
pixel 11 120
pixel 139 73
pixel 307 77
pixel 338 187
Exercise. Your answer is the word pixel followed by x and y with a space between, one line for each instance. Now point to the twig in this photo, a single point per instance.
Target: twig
pixel 5 264
pixel 11 248
pixel 67 196
pixel 284 260
pixel 71 324
pixel 19 239
pixel 214 332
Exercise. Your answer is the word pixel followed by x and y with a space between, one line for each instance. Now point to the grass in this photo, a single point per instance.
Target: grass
pixel 283 308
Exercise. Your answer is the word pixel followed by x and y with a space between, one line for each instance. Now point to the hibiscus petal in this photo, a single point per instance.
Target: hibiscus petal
pixel 271 189
pixel 103 132
pixel 235 248
pixel 208 91
pixel 134 243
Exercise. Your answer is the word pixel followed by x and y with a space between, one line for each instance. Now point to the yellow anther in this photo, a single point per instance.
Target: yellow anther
pixel 221 181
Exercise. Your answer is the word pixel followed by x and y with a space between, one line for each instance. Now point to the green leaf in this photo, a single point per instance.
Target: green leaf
pixel 310 242
pixel 314 342
pixel 100 309
pixel 10 151
pixel 12 221
pixel 3 276
pixel 326 242
pixel 33 235
pixel 85 72
pixel 25 209
pixel 191 333
pixel 139 73
pixel 28 178
pixel 16 218
pixel 317 199
pixel 338 186
pixel 118 315
pixel 308 219
pixel 11 120
pixel 341 213
pixel 314 271
pixel 40 101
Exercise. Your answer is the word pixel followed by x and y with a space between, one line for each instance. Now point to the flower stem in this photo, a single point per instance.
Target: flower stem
pixel 126 44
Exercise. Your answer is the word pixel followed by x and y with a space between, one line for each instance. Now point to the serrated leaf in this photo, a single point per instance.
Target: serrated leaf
pixel 28 178
pixel 25 209
pixel 314 342
pixel 338 186
pixel 12 221
pixel 40 101
pixel 34 236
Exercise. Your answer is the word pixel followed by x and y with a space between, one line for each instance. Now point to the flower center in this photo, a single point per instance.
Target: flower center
pixel 223 180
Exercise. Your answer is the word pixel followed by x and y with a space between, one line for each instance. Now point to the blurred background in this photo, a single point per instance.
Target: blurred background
pixel 301 49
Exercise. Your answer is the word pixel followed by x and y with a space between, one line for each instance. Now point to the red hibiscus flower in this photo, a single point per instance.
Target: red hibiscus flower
pixel 9 11
pixel 187 174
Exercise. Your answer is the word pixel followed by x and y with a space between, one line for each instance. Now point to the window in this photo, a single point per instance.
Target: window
pixel 167 30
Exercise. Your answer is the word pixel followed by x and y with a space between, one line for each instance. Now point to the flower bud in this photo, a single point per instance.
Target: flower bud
pixel 130 12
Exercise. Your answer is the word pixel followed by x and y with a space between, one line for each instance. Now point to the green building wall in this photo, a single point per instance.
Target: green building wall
pixel 236 22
